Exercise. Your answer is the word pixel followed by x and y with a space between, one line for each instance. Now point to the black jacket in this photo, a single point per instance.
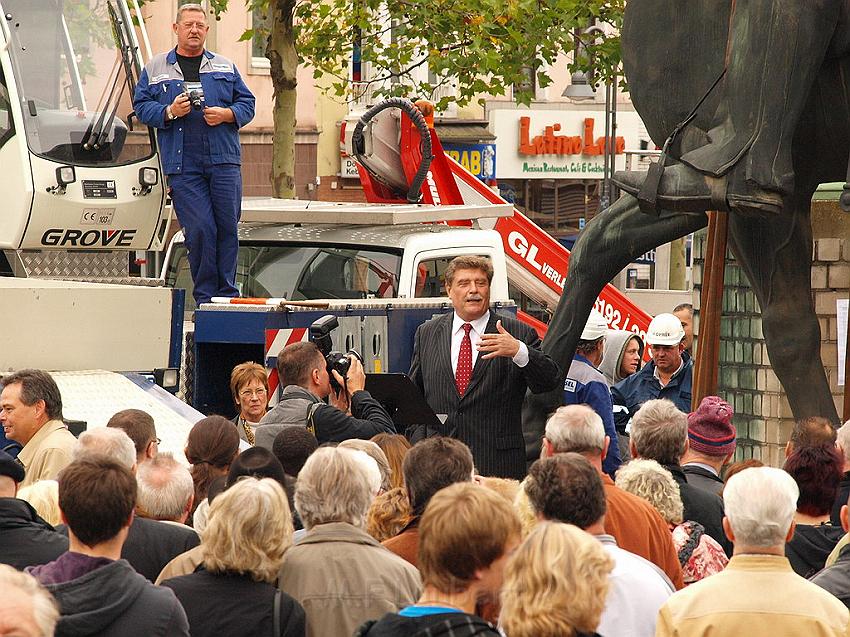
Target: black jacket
pixel 26 539
pixel 368 418
pixel 840 499
pixel 703 479
pixel 811 545
pixel 152 544
pixel 231 605
pixel 835 579
pixel 111 601
pixel 439 625
pixel 701 506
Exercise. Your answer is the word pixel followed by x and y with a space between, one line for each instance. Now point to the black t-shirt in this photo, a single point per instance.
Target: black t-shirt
pixel 191 67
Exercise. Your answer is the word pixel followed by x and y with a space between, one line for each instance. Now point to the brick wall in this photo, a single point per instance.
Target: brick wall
pixel 763 417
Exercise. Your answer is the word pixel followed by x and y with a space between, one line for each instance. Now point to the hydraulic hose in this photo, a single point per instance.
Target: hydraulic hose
pixel 359 145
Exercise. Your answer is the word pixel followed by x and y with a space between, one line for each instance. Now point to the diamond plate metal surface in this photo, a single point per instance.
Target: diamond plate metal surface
pixel 77 265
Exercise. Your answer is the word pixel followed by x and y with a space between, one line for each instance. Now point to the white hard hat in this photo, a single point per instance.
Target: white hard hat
pixel 596 327
pixel 665 329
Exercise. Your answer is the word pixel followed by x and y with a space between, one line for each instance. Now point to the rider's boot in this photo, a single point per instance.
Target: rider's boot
pixel 775 51
pixel 683 189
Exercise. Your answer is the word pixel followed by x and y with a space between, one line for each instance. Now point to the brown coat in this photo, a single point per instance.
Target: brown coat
pixel 405 544
pixel 640 529
pixel 343 577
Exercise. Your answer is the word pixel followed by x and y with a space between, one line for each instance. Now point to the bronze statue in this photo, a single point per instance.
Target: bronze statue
pixel 757 93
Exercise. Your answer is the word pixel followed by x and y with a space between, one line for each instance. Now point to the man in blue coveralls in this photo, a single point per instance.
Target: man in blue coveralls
pixel 197 101
pixel 585 384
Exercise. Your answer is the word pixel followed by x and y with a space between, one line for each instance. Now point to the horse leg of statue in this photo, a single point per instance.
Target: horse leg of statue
pixel 774 53
pixel 776 256
pixel 611 240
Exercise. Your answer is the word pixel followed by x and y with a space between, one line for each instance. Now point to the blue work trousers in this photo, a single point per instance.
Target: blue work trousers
pixel 207 198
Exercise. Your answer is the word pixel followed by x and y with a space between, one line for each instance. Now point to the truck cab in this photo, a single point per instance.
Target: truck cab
pixel 303 262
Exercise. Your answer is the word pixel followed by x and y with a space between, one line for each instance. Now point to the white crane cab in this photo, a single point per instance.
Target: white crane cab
pixel 77 169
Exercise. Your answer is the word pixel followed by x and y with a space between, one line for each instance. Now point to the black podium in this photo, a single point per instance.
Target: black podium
pixel 406 405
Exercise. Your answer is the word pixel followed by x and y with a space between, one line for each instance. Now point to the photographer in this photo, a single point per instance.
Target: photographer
pixel 352 412
pixel 197 102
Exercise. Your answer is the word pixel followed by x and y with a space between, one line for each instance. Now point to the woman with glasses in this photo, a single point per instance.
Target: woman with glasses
pixel 249 385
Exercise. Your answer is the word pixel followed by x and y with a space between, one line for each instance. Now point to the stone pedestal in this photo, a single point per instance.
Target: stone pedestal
pixel 763 417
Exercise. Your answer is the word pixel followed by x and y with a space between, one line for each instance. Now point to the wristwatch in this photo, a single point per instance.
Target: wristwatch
pixel 169 114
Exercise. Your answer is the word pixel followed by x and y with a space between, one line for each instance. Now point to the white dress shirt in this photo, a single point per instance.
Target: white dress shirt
pixel 479 325
pixel 637 590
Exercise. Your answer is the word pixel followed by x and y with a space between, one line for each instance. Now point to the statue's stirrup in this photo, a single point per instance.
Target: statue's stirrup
pixel 648 195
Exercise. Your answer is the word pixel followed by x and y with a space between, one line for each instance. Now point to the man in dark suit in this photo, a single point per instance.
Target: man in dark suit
pixel 474 366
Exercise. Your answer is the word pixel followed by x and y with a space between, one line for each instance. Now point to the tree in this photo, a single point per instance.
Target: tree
pixel 481 46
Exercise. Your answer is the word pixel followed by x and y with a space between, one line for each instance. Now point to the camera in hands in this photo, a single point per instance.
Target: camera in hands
pixel 195 93
pixel 320 334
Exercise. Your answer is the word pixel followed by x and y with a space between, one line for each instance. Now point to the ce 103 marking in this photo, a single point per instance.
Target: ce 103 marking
pixel 97 216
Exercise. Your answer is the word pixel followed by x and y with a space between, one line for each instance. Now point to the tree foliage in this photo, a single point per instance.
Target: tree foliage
pixel 481 46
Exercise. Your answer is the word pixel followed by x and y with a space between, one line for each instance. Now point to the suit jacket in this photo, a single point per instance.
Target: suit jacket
pixel 152 544
pixel 488 416
pixel 703 478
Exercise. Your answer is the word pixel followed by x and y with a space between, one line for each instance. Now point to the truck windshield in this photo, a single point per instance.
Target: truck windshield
pixel 75 70
pixel 299 272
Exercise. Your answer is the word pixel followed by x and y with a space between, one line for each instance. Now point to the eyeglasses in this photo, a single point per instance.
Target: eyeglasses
pixel 248 393
pixel 200 26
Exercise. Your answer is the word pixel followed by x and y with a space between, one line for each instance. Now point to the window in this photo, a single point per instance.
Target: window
pixel 260 22
pixel 301 272
pixel 430 278
pixel 529 305
pixel 7 125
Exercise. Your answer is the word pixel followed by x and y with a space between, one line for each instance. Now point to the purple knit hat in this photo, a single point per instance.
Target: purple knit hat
pixel 710 428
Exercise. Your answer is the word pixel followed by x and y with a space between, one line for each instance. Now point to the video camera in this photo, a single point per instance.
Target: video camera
pixel 320 334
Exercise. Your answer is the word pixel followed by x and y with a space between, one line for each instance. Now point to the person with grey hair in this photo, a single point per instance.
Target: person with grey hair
pixel 843 443
pixel 166 489
pixel 660 433
pixel 341 575
pixel 107 441
pixel 635 524
pixel 26 608
pixel 377 454
pixel 31 415
pixel 150 544
pixel 758 594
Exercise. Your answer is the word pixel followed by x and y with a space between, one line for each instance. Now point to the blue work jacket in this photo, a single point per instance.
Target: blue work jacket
pixel 162 80
pixel 633 391
pixel 586 385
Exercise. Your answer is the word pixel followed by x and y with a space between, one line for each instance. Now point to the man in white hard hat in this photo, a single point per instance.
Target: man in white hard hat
pixel 667 375
pixel 585 384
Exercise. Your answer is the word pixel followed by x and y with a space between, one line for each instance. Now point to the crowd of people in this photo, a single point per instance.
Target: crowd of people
pixel 317 518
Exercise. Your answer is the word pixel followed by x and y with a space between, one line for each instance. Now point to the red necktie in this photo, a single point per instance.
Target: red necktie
pixel 464 361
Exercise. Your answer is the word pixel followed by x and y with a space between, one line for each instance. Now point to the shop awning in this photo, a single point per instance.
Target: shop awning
pixel 463 132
